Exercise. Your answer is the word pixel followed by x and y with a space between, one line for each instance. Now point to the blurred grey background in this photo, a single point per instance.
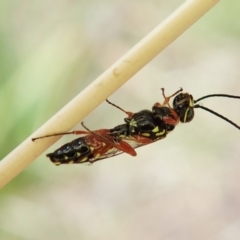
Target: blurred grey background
pixel 183 187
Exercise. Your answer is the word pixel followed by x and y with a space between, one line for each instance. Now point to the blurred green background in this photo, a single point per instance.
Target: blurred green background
pixel 183 187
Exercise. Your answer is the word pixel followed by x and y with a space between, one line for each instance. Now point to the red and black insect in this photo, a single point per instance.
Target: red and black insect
pixel 139 129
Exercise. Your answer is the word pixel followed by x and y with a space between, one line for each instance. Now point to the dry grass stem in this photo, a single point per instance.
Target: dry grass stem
pixel 114 77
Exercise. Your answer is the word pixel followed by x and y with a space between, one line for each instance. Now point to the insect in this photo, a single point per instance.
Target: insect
pixel 140 128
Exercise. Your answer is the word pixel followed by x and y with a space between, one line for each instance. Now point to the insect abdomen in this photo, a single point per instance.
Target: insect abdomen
pixel 76 151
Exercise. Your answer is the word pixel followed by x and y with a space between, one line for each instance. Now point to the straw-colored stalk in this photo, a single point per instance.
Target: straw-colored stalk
pixel 107 83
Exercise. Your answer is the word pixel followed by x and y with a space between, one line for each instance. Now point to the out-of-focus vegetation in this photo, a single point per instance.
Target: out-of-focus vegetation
pixel 183 187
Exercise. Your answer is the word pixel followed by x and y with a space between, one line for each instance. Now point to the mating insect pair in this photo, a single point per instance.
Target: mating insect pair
pixel 139 129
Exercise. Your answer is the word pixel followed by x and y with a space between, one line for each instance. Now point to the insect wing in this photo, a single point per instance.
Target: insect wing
pixel 115 152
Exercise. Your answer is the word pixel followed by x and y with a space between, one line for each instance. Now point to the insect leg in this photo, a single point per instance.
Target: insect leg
pixel 130 114
pixel 166 99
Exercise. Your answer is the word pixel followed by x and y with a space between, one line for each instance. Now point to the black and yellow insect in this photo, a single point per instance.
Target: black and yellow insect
pixel 139 129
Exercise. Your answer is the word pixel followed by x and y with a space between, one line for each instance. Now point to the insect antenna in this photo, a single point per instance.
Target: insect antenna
pixel 218 115
pixel 215 113
pixel 216 95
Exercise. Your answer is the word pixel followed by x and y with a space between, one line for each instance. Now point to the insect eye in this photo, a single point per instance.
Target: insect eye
pixel 186 115
pixel 183 105
pixel 182 100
